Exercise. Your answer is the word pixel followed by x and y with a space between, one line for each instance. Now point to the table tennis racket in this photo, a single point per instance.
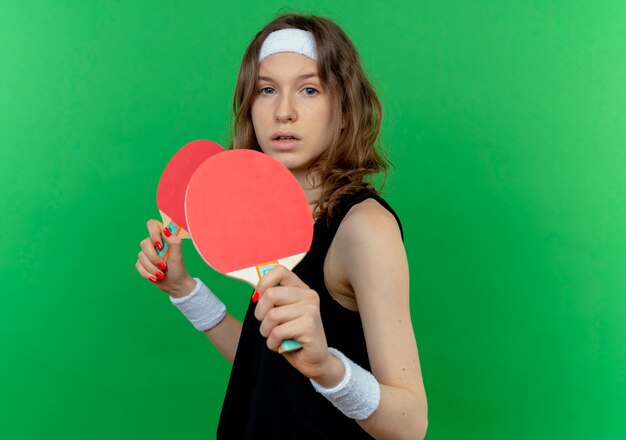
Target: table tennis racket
pixel 173 184
pixel 246 213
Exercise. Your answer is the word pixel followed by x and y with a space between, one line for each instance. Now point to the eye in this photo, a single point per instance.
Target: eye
pixel 310 91
pixel 267 91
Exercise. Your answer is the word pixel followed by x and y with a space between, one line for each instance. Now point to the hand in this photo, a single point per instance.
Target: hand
pixel 172 278
pixel 289 309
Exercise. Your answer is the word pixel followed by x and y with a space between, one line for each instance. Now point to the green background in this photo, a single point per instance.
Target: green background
pixel 506 122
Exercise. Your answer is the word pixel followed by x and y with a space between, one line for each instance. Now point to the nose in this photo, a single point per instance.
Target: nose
pixel 285 109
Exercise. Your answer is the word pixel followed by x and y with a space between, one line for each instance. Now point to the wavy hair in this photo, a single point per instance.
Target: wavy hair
pixel 347 165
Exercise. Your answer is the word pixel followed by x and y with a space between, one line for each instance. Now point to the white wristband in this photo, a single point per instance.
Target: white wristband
pixel 201 307
pixel 358 395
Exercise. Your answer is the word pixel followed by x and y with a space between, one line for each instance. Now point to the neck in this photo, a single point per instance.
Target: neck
pixel 308 184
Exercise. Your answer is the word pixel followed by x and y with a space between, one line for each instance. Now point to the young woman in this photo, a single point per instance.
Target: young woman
pixel 302 98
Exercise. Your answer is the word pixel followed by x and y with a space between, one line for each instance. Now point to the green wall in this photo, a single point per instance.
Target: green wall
pixel 506 122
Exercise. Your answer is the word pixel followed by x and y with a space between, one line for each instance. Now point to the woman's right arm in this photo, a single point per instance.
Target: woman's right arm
pixel 173 279
pixel 225 336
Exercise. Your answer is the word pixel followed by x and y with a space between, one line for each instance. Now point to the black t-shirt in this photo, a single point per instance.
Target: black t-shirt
pixel 269 399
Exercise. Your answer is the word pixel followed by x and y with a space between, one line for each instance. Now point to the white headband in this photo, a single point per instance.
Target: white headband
pixel 289 40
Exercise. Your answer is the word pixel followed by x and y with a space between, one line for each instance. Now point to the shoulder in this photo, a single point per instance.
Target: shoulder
pixel 367 249
pixel 368 221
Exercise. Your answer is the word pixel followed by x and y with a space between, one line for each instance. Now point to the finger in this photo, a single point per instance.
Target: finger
pixel 145 273
pixel 279 315
pixel 154 229
pixel 274 297
pixel 279 276
pixel 281 296
pixel 148 265
pixel 296 329
pixel 147 247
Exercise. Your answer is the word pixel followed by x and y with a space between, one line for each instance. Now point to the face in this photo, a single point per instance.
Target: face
pixel 292 111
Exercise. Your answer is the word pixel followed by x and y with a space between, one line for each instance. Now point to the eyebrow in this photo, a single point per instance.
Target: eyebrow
pixel 299 78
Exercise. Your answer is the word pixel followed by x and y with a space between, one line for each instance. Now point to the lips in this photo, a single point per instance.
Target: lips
pixel 285 140
pixel 285 136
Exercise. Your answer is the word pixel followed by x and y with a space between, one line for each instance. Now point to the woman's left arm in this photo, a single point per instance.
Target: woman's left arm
pixel 369 251
pixel 368 257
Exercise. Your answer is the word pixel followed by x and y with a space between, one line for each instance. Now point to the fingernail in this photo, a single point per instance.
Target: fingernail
pixel 160 275
pixel 255 296
pixel 167 232
pixel 158 245
pixel 153 279
pixel 161 265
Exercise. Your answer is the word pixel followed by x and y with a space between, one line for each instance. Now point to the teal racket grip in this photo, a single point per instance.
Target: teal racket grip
pixel 173 228
pixel 289 345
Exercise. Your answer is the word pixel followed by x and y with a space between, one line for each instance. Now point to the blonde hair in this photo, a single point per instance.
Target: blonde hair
pixel 352 156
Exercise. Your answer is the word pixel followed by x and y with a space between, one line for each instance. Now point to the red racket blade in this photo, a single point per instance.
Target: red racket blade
pixel 247 213
pixel 173 185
